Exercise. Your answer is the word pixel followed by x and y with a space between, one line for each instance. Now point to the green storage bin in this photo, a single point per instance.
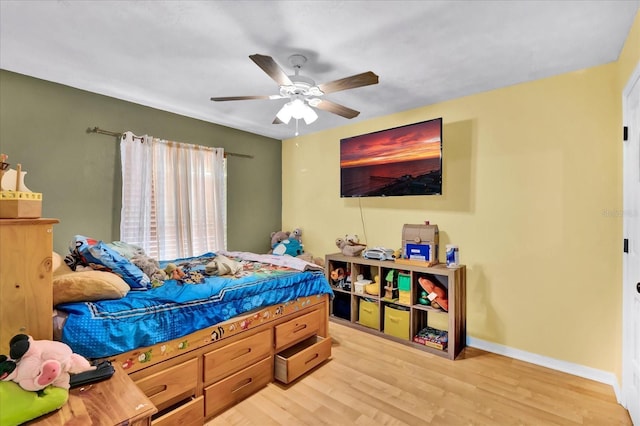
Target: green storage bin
pixel 404 281
pixel 396 322
pixel 369 314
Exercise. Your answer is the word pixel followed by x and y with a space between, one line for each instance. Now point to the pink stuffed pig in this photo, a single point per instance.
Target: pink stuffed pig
pixel 40 363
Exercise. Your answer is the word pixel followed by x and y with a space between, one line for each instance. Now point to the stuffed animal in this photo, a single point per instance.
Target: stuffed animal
pixel 151 267
pixel 278 237
pixel 374 287
pixel 222 265
pixel 282 243
pixel 35 364
pixel 349 249
pixel 337 275
pixel 352 239
pixel 174 272
pixel 296 234
pixel 18 406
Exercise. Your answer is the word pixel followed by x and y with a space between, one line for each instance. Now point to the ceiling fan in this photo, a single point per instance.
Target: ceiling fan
pixel 303 92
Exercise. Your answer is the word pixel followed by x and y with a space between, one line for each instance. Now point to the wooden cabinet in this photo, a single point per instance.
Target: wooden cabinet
pixel 212 373
pixel 399 307
pixel 115 401
pixel 26 291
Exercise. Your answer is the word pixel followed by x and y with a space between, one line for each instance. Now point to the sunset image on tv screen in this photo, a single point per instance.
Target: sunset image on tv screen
pixel 404 160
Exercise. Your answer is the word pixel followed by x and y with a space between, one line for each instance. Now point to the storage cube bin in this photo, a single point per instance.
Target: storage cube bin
pixel 342 306
pixel 404 281
pixel 369 314
pixel 396 322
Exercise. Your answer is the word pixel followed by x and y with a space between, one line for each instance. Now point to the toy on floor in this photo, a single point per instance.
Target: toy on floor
pixel 36 364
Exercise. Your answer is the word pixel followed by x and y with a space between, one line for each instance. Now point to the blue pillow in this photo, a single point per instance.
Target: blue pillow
pixel 101 256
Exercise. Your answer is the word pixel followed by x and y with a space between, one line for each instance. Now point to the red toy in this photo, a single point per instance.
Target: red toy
pixel 436 293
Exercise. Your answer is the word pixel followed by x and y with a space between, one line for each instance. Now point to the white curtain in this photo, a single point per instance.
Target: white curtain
pixel 173 197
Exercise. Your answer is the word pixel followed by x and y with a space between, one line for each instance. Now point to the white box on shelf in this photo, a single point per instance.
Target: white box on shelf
pixel 359 286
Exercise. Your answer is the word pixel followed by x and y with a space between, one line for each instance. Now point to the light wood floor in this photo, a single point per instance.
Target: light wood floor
pixel 373 381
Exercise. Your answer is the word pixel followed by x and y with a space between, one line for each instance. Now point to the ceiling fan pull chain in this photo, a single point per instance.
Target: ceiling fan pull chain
pixel 297 127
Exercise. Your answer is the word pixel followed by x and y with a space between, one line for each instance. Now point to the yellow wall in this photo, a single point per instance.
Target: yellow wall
pixel 532 195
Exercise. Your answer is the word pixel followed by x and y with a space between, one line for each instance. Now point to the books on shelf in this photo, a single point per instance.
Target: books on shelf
pixel 432 337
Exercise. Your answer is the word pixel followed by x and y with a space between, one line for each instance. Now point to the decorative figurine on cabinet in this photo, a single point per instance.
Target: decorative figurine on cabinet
pixel 390 289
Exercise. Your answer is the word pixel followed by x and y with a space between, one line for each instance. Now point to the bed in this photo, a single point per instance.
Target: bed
pixel 199 344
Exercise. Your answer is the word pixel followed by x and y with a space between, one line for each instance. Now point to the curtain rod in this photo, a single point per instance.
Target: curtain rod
pixel 116 134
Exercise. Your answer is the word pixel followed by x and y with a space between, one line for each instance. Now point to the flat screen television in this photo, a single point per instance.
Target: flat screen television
pixel 404 160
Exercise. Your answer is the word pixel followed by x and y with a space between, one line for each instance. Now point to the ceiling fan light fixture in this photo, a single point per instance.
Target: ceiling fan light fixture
pixel 309 115
pixel 297 109
pixel 285 113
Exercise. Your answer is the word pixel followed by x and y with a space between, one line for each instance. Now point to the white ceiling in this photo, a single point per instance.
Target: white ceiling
pixel 175 55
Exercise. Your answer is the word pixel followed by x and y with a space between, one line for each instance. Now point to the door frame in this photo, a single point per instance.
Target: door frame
pixel 627 350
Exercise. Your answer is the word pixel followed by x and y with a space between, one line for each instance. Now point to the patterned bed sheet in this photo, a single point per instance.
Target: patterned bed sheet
pixel 146 318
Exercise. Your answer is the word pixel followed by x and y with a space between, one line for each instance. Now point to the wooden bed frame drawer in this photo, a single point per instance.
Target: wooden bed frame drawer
pixel 297 329
pixel 235 356
pixel 171 385
pixel 297 360
pixel 229 391
pixel 189 414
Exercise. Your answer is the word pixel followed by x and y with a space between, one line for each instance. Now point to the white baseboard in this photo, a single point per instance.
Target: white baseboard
pixel 605 377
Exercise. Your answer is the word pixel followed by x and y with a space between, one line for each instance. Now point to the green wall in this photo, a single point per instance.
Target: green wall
pixel 44 125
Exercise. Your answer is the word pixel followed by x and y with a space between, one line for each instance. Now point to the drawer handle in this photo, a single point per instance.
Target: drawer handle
pixel 369 311
pixel 299 328
pixel 394 319
pixel 316 355
pixel 156 391
pixel 242 384
pixel 241 352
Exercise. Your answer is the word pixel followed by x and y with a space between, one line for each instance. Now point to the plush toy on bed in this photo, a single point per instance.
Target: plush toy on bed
pixel 282 243
pixel 174 272
pixel 36 364
pixel 151 267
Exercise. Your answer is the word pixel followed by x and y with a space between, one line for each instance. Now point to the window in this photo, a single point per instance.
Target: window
pixel 173 197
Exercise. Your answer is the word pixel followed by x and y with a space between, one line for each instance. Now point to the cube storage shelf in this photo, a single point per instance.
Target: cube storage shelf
pixel 402 315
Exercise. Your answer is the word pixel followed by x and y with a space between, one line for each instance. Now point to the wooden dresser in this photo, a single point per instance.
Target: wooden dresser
pixel 116 401
pixel 26 294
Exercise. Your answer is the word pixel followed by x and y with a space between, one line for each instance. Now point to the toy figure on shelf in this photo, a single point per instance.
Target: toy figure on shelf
pixel 16 200
pixel 390 289
pixel 424 300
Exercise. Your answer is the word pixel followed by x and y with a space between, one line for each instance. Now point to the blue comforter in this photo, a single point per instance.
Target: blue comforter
pixel 144 318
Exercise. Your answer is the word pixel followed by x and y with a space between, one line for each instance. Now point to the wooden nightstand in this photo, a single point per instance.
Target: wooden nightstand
pixel 116 401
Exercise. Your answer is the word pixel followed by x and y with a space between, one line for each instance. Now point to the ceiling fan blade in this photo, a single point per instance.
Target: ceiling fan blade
pixel 277 121
pixel 337 109
pixel 240 98
pixel 358 80
pixel 270 66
